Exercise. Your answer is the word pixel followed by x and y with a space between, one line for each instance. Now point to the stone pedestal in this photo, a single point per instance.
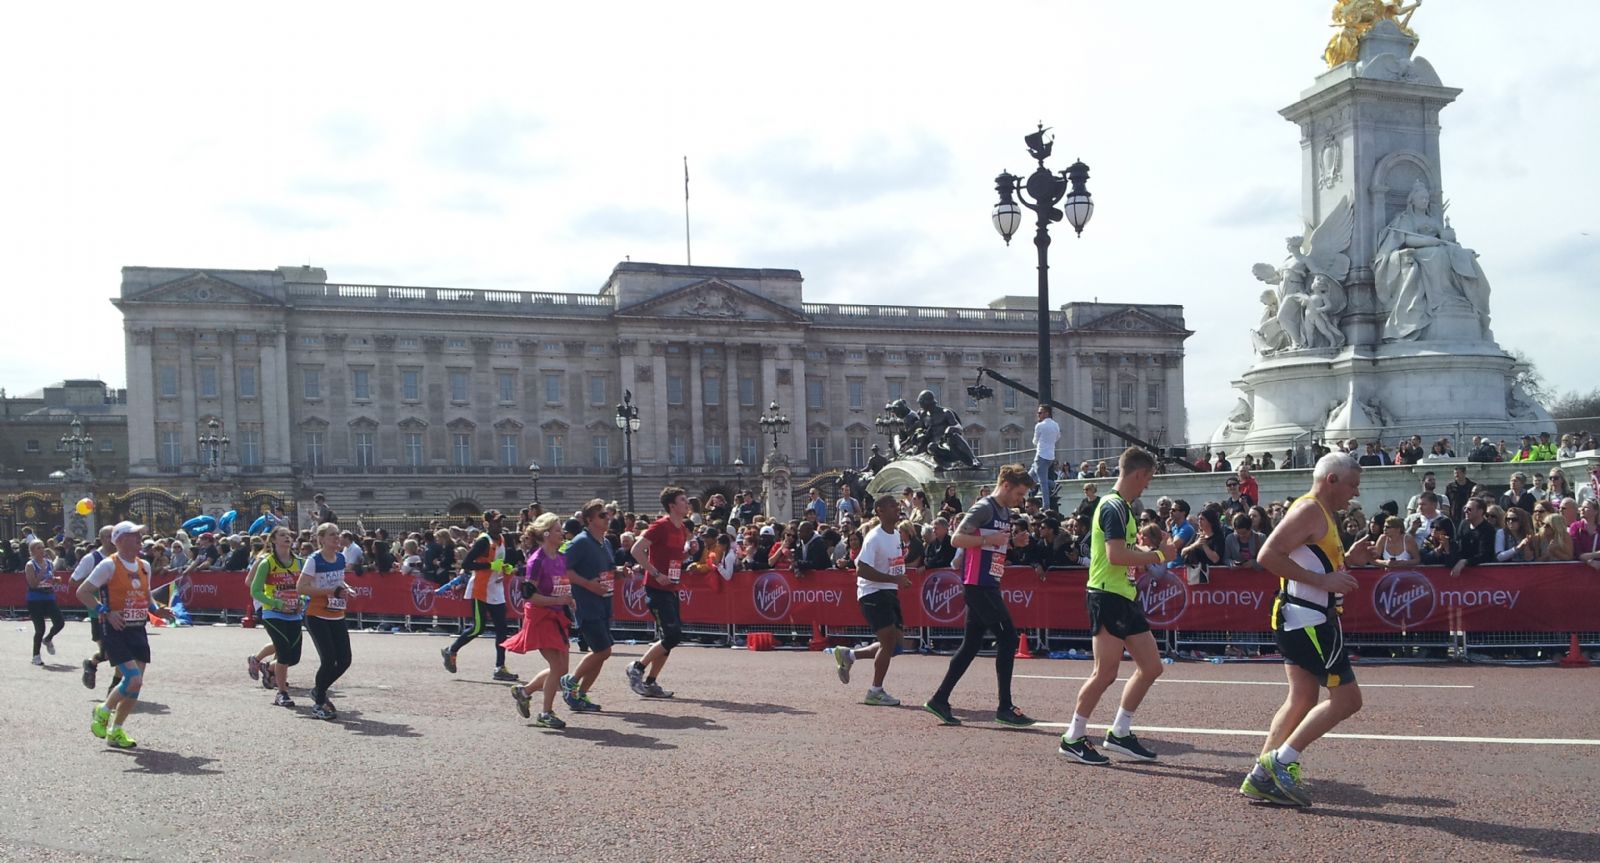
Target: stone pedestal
pixel 777 487
pixel 75 526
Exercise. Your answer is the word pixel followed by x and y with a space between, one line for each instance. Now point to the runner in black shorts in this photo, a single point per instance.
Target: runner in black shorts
pixel 880 574
pixel 592 571
pixel 1120 617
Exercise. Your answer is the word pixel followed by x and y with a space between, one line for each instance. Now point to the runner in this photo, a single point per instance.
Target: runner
pixel 545 596
pixel 322 579
pixel 1116 619
pixel 660 554
pixel 486 563
pixel 880 573
pixel 984 533
pixel 1304 552
pixel 592 571
pixel 256 664
pixel 126 608
pixel 40 573
pixel 86 565
pixel 272 584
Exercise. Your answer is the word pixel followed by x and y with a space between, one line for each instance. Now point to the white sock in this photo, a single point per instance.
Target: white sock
pixel 1122 726
pixel 1287 754
pixel 874 689
pixel 1079 728
pixel 849 654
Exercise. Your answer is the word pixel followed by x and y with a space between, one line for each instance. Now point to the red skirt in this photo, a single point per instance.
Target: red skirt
pixel 543 628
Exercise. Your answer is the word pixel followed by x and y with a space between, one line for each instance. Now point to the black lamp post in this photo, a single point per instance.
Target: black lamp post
pixel 628 421
pixel 1046 189
pixel 738 471
pixel 212 449
pixel 890 426
pixel 533 474
pixel 774 423
pixel 78 442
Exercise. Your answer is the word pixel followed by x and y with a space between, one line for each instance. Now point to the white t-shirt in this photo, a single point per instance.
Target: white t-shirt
pixel 1045 435
pixel 352 554
pixel 87 563
pixel 882 551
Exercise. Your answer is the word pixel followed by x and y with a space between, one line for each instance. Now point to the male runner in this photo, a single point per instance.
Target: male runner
pixel 1116 619
pixel 592 570
pixel 86 565
pixel 660 554
pixel 1304 552
pixel 985 532
pixel 880 573
pixel 486 561
pixel 126 609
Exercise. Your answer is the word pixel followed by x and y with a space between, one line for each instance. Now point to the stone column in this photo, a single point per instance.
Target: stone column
pixel 730 403
pixel 797 413
pixel 697 407
pixel 225 384
pixel 189 413
pixel 274 388
pixel 657 439
pixel 627 353
pixel 142 394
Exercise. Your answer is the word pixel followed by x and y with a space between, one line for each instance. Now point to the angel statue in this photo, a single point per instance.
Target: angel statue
pixel 1310 292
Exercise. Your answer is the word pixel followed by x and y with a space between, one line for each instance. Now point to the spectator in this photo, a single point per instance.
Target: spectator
pixel 951 499
pixel 1585 533
pixel 1221 464
pixel 1409 450
pixel 382 551
pixel 1181 528
pixel 1539 490
pixel 1518 495
pixel 1060 551
pixel 1526 451
pixel 750 508
pixel 1371 458
pixel 1457 493
pixel 1420 523
pixel 1234 503
pixel 1203 464
pixel 1260 521
pixel 411 562
pixel 206 554
pixel 847 507
pixel 1483 450
pixel 1045 435
pixel 1554 544
pixel 1475 539
pixel 238 558
pixel 325 514
pixel 1395 546
pixel 1207 548
pixel 1545 449
pixel 1514 543
pixel 1568 448
pixel 1249 489
pixel 1267 463
pixel 939 552
pixel 1440 549
pixel 815 551
pixel 1243 544
pixel 438 556
pixel 354 557
pixel 1428 482
pixel 1091 499
pixel 845 557
pixel 1026 549
pixel 1559 488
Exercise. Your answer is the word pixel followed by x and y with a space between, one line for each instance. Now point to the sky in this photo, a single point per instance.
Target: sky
pixel 533 146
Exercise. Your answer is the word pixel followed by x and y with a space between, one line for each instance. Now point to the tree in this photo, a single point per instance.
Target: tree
pixel 1576 411
pixel 1526 374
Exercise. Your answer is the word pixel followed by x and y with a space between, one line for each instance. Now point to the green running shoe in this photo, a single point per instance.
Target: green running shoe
pixel 98 718
pixel 120 739
pixel 1286 777
pixel 1258 785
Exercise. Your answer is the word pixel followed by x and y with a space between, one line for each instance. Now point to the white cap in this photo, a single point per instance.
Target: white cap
pixel 123 528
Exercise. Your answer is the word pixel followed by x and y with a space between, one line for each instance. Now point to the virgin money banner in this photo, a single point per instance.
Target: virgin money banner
pixel 1509 597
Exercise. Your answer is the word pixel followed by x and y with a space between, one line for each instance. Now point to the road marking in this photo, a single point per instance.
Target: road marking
pixel 1268 682
pixel 1413 738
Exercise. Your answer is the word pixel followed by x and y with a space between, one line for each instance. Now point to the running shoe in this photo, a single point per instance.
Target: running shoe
pixel 635 679
pixel 1128 746
pixel 98 717
pixel 36 660
pixel 252 667
pixel 881 698
pixel 268 675
pixel 523 701
pixel 502 674
pixel 283 700
pixel 50 646
pixel 654 690
pixel 843 657
pixel 589 704
pixel 567 684
pixel 324 711
pixel 120 739
pixel 1081 751
pixel 941 710
pixel 1013 717
pixel 1286 777
pixel 549 720
pixel 449 659
pixel 89 670
pixel 578 702
pixel 1258 785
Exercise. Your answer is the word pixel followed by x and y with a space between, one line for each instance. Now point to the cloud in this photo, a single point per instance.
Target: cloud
pixel 626 223
pixel 283 216
pixel 495 141
pixel 805 172
pixel 1260 207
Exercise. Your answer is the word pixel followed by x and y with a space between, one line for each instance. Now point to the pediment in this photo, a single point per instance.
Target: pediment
pixel 201 287
pixel 712 300
pixel 1131 320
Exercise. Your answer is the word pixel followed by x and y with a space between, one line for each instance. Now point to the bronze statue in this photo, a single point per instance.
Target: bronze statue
pixel 1354 18
pixel 942 433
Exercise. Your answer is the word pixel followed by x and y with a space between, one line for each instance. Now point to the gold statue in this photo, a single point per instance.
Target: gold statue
pixel 1354 18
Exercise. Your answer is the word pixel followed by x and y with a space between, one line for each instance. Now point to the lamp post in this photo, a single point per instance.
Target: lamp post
pixel 890 426
pixel 773 423
pixel 78 442
pixel 738 471
pixel 212 448
pixel 628 420
pixel 1046 189
pixel 533 474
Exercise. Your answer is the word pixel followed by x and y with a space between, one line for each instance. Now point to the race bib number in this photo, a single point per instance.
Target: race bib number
pixel 135 615
pixel 608 583
pixel 897 567
pixel 290 600
pixel 675 572
pixel 337 603
pixel 997 566
pixel 562 588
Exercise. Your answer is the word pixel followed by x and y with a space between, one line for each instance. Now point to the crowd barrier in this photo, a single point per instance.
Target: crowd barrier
pixel 1526 598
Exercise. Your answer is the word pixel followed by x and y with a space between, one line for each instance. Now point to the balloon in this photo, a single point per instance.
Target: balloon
pixel 200 524
pixel 85 506
pixel 227 520
pixel 259 525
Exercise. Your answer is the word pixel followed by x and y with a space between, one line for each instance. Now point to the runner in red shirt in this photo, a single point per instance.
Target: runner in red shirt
pixel 660 554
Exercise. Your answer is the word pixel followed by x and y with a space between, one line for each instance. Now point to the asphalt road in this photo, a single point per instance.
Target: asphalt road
pixel 766 757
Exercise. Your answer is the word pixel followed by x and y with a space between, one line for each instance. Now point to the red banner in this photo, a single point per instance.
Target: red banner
pixel 1511 597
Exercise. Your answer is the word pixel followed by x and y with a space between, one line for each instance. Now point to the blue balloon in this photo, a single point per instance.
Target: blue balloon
pixel 227 520
pixel 259 525
pixel 199 524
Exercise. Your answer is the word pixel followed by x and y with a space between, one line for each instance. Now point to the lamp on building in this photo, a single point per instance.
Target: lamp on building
pixel 213 447
pixel 78 442
pixel 628 420
pixel 533 474
pixel 1047 189
pixel 774 423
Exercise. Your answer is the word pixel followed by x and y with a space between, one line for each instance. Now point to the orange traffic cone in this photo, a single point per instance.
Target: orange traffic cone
pixel 818 639
pixel 1574 657
pixel 1024 650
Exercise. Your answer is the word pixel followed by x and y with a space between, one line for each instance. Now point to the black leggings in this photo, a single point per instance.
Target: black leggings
pixel 332 638
pixel 473 627
pixel 286 641
pixel 986 612
pixel 39 609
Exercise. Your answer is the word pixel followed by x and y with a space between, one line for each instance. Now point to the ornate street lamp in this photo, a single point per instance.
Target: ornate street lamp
pixel 773 423
pixel 890 426
pixel 1046 189
pixel 628 420
pixel 533 474
pixel 78 442
pixel 738 471
pixel 213 447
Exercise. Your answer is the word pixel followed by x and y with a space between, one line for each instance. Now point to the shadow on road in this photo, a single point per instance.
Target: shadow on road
pixel 351 719
pixel 56 668
pixel 1542 842
pixel 746 707
pixel 663 722
pixel 612 737
pixel 163 763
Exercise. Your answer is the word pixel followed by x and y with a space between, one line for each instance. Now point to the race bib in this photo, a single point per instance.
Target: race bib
pixel 290 600
pixel 135 615
pixel 562 588
pixel 997 566
pixel 337 603
pixel 675 571
pixel 897 567
pixel 608 583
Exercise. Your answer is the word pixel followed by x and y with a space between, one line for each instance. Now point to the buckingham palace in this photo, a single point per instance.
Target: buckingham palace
pixel 429 399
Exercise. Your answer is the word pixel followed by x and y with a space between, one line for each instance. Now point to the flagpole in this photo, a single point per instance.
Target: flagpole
pixel 688 250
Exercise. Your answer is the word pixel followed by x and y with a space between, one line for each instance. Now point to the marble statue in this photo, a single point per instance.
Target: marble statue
pixel 1310 293
pixel 1353 19
pixel 1420 270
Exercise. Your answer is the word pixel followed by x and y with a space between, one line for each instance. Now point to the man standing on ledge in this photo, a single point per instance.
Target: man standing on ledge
pixel 985 532
pixel 1045 435
pixel 1304 552
pixel 660 554
pixel 1116 618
